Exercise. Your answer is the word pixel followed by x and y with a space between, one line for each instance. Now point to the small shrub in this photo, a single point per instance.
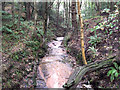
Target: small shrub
pixel 114 72
pixel 94 40
pixel 93 51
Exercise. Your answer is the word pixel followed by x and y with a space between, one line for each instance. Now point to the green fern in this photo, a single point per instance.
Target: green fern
pixel 114 72
pixel 94 40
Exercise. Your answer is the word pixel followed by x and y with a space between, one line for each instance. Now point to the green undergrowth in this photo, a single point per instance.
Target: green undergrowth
pixel 22 48
pixel 21 63
pixel 103 30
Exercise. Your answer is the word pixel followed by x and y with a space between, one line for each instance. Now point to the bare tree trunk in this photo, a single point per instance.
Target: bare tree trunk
pixel 19 15
pixel 13 16
pixel 58 4
pixel 111 6
pixel 69 14
pixel 66 13
pixel 74 20
pixel 45 20
pixel 3 6
pixel 32 9
pixel 63 13
pixel 35 17
pixel 97 6
pixel 82 33
pixel 119 15
pixel 28 13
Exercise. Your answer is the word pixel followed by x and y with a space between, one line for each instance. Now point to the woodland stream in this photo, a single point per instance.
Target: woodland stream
pixel 56 67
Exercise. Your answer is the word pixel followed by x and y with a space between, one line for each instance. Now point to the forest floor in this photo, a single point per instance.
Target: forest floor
pixel 109 45
pixel 20 59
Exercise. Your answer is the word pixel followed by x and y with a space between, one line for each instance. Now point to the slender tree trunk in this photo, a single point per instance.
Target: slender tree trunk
pixel 45 21
pixel 63 13
pixel 69 15
pixel 74 20
pixel 119 15
pixel 3 6
pixel 25 4
pixel 28 13
pixel 66 13
pixel 32 9
pixel 13 12
pixel 64 20
pixel 111 6
pixel 82 33
pixel 35 17
pixel 19 15
pixel 58 4
pixel 97 6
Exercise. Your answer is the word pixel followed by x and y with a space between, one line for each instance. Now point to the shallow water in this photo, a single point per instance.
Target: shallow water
pixel 55 68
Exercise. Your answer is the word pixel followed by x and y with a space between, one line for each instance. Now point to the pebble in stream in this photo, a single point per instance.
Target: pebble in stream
pixel 54 73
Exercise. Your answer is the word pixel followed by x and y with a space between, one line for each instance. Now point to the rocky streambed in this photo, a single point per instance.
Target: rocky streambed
pixel 56 67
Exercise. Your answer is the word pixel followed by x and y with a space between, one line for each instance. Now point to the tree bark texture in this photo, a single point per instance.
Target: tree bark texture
pixel 79 72
pixel 58 5
pixel 45 20
pixel 19 15
pixel 74 19
pixel 35 17
pixel 28 13
pixel 13 16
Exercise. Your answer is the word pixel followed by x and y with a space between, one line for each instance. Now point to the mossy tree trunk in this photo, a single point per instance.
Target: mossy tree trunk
pixel 79 72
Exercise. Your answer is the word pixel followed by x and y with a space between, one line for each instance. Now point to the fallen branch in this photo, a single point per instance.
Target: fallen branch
pixel 79 72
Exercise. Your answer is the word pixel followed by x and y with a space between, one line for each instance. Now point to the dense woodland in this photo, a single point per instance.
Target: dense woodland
pixel 91 32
